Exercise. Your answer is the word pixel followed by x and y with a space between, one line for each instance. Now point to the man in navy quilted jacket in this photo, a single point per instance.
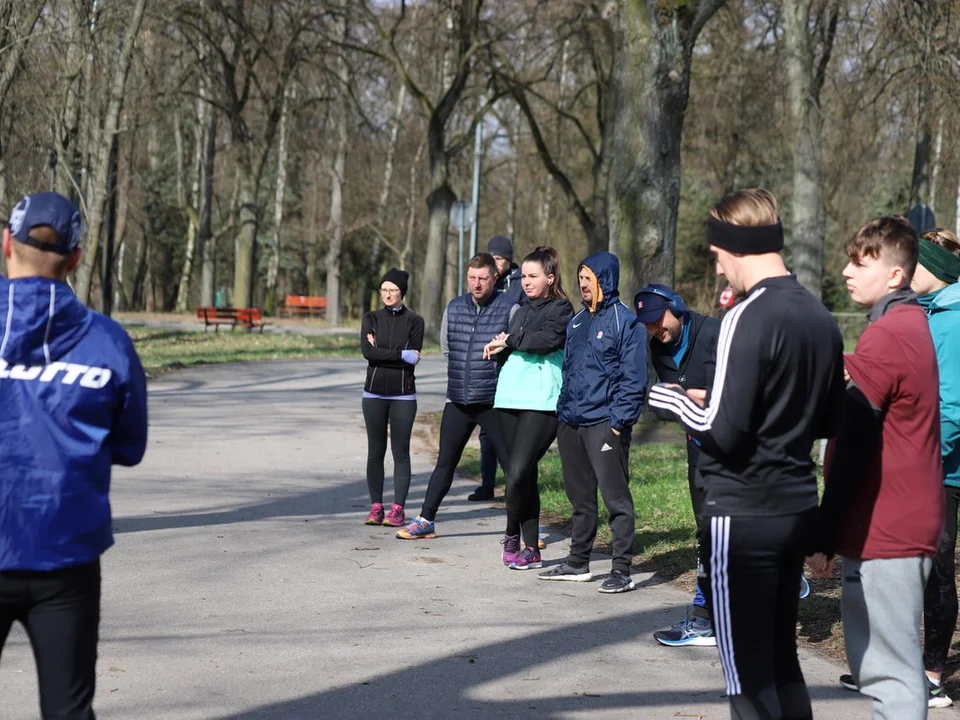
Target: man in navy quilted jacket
pixel 72 404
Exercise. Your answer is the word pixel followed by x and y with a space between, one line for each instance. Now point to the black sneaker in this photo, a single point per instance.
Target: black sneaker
pixel 480 494
pixel 568 572
pixel 937 696
pixel 847 682
pixel 617 582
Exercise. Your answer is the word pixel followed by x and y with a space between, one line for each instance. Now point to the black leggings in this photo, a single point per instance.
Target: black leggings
pixel 60 610
pixel 399 414
pixel 940 594
pixel 752 567
pixel 528 435
pixel 456 427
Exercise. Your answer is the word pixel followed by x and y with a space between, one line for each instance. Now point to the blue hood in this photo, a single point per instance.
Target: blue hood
pixel 607 269
pixel 73 402
pixel 946 299
pixel 44 320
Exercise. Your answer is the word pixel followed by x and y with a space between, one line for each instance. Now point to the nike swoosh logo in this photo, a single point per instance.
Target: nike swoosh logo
pixel 576 325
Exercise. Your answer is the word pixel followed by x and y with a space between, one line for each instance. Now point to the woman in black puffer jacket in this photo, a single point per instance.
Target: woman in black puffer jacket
pixel 391 339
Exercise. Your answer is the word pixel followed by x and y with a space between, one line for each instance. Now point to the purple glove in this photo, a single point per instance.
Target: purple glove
pixel 410 356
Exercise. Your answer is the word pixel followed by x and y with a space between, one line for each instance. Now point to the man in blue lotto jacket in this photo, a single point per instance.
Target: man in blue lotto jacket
pixel 72 403
pixel 604 381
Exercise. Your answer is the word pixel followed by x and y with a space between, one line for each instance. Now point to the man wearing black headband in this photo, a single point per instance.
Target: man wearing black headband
pixel 777 387
pixel 683 349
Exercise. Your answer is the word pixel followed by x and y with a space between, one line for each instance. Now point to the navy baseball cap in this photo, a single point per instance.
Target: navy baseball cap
pixel 53 210
pixel 650 306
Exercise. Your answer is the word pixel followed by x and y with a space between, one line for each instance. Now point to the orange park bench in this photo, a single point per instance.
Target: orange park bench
pixel 249 318
pixel 305 305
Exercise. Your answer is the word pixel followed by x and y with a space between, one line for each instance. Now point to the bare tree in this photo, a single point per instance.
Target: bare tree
pixel 806 71
pixel 338 171
pixel 653 50
pixel 96 204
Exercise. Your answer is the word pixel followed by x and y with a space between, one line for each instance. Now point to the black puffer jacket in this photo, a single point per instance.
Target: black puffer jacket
pixel 698 364
pixel 393 331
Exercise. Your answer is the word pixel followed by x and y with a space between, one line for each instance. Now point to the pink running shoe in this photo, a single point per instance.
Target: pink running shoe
pixel 527 558
pixel 376 515
pixel 511 547
pixel 395 517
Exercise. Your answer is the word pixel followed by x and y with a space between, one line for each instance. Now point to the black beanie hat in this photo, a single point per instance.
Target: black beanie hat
pixel 500 245
pixel 398 278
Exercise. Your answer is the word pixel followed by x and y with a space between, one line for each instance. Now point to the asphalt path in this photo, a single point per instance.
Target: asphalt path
pixel 243 583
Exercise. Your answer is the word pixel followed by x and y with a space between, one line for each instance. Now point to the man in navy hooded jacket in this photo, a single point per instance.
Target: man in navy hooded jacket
pixel 604 381
pixel 72 403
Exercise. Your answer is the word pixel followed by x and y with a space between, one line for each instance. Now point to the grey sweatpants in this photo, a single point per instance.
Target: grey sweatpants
pixel 882 606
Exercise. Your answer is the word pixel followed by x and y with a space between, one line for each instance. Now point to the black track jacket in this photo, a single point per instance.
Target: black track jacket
pixel 778 387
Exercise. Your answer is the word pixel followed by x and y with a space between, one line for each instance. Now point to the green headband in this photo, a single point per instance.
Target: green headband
pixel 940 262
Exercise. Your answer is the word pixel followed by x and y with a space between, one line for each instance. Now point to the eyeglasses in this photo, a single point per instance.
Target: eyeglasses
pixel 389 291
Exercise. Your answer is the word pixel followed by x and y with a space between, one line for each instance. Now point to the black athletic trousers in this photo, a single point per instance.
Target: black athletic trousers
pixel 528 435
pixel 60 610
pixel 752 567
pixel 456 426
pixel 940 594
pixel 594 457
pixel 378 413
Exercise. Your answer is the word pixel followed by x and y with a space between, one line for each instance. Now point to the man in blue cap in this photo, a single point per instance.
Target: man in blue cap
pixel 683 349
pixel 73 393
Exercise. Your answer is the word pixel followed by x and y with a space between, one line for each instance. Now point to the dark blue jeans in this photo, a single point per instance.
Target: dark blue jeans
pixel 60 610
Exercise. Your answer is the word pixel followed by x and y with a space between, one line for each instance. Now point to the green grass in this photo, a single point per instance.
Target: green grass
pixel 162 349
pixel 665 535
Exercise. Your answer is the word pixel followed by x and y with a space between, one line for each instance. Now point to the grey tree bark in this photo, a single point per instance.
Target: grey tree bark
pixel 273 266
pixel 805 75
pixel 653 48
pixel 335 226
pixel 98 184
pixel 441 196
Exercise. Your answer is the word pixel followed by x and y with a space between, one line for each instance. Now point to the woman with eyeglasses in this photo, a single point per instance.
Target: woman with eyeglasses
pixel 391 339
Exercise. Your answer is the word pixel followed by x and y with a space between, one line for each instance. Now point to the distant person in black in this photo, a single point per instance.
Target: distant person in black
pixel 683 348
pixel 508 282
pixel 391 340
pixel 778 386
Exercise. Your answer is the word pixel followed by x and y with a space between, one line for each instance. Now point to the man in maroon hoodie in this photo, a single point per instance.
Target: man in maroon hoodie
pixel 883 507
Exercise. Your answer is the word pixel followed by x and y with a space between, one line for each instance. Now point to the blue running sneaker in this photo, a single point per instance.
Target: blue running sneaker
pixel 692 630
pixel 418 529
pixel 804 586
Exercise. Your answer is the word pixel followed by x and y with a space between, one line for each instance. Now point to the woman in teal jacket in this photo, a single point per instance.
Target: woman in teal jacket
pixel 935 282
pixel 527 391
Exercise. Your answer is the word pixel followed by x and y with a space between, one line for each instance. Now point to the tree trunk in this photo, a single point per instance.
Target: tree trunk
pixel 208 247
pixel 412 203
pixel 650 87
pixel 546 203
pixel 935 172
pixel 98 187
pixel 192 205
pixel 335 228
pixel 246 238
pixel 273 266
pixel 67 125
pixel 808 228
pixel 920 178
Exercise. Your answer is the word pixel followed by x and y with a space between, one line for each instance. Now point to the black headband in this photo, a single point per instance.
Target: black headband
pixel 743 239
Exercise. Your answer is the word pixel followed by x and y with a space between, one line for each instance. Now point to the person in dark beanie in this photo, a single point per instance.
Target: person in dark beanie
pixel 777 387
pixel 508 282
pixel 508 272
pixel 74 397
pixel 683 348
pixel 391 339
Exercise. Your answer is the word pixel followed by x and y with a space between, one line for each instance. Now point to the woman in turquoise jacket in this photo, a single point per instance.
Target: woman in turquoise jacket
pixel 935 282
pixel 527 391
